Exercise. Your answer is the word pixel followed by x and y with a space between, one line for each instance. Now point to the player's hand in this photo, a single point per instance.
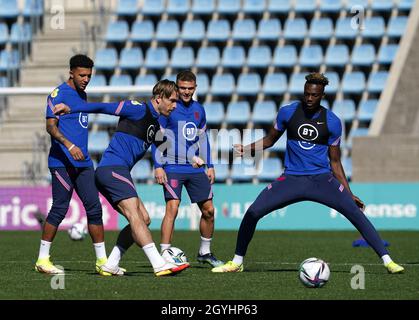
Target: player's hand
pixel 60 109
pixel 160 175
pixel 359 203
pixel 76 153
pixel 238 150
pixel 197 162
pixel 211 175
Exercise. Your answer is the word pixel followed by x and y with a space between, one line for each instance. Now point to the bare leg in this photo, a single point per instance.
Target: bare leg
pixel 168 223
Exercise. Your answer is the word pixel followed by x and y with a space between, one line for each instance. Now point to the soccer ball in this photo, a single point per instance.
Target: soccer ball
pixel 314 272
pixel 77 231
pixel 175 255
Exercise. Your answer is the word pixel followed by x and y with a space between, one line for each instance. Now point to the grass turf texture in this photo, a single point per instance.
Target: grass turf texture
pixel 270 268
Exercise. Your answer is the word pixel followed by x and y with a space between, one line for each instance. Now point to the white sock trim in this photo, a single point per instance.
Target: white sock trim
pixel 386 259
pixel 238 259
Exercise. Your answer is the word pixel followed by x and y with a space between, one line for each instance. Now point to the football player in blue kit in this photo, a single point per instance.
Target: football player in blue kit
pixel 135 132
pixel 70 165
pixel 187 144
pixel 313 172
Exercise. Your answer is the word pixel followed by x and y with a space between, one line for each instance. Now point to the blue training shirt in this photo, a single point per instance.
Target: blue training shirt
pixel 73 126
pixel 303 158
pixel 185 130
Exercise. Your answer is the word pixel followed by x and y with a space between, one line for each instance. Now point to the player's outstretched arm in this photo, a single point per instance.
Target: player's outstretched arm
pixel 262 144
pixel 112 108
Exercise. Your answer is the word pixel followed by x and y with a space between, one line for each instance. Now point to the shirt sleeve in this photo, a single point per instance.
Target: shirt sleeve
pixel 335 128
pixel 282 119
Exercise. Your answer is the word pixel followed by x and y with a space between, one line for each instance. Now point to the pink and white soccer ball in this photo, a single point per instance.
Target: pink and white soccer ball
pixel 314 272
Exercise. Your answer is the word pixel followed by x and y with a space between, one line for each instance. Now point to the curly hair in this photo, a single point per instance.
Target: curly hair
pixel 317 78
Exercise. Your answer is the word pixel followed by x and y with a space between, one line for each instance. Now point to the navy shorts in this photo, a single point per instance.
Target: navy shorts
pixel 197 185
pixel 115 183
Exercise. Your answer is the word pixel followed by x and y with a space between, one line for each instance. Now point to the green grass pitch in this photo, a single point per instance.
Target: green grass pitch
pixel 270 268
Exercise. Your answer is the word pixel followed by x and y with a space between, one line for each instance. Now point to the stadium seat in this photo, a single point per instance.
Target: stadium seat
pixel 264 112
pixel 98 80
pixel 281 144
pixel 397 26
pixel 337 55
pixel 297 83
pixel 117 31
pixel 233 57
pixel 382 5
pixel 177 7
pixel 238 112
pixel 169 76
pixel 334 82
pixel 351 3
pixel 131 59
pixel 244 30
pixel 275 84
pixel 324 103
pixel 119 81
pixel 248 84
pixel 106 59
pixel 269 29
pixel 311 56
pixel 344 29
pixel 321 29
pixel 202 82
pixel 295 29
pixel 146 80
pixel 142 31
pixel 363 55
pixel 366 109
pixel 4 82
pixel 9 9
pixel 259 57
pixel 405 5
pixel 353 82
pixel 358 132
pixel 193 30
pixel 218 30
pixel 269 169
pixel 106 120
pixel 387 53
pixel 330 6
pixel 374 27
pixel 241 171
pixel 222 84
pixel 208 57
pixel 203 7
pixel 279 7
pixel 254 7
pixel 377 81
pixel 141 170
pixel 98 141
pixel 153 8
pixel 167 31
pixel 156 58
pixel 182 58
pixel 20 33
pixel 214 112
pixel 252 135
pixel 33 8
pixel 305 6
pixel 344 109
pixel 127 8
pixel 228 7
pixel 4 34
pixel 285 57
pixel 225 139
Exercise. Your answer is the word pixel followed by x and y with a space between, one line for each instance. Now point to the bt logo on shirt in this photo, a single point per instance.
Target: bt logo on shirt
pixel 84 120
pixel 307 132
pixel 189 131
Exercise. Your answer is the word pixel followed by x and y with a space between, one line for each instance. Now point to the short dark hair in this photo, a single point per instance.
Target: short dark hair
pixel 81 61
pixel 317 78
pixel 164 89
pixel 186 75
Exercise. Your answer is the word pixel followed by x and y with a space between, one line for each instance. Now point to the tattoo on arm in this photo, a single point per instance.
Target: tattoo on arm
pixel 53 130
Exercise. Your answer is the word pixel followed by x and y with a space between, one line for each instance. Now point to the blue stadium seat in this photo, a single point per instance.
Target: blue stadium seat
pixel 279 7
pixel 334 82
pixel 106 59
pixel 120 81
pixel 238 112
pixel 321 29
pixel 254 6
pixel 203 7
pixel 227 138
pixel 214 112
pixel 366 109
pixel 363 55
pixel 146 80
pixel 305 6
pixel 264 112
pixel 311 56
pixel 295 29
pixel 4 34
pixel 344 29
pixel 117 31
pixel 269 29
pixel 259 57
pixel 353 82
pixel 233 57
pixel 377 81
pixel 285 56
pixel 397 26
pixel 382 5
pixel 141 170
pixel 405 5
pixel 106 120
pixel 281 144
pixel 352 3
pixel 177 7
pixel 344 109
pixel 193 30
pixel 248 84
pixel 131 58
pixel 358 132
pixel 127 8
pixel 208 57
pixel 169 76
pixel 229 7
pixel 297 83
pixel 337 55
pixel 182 58
pixel 374 27
pixel 142 31
pixel 269 169
pixel 275 84
pixel 222 172
pixel 222 84
pixel 167 31
pixel 330 6
pixel 387 53
pixel 98 141
pixel 202 82
pixel 33 8
pixel 156 58
pixel 4 82
pixel 252 135
pixel 244 30
pixel 153 8
pixel 98 80
pixel 325 104
pixel 9 9
pixel 20 33
pixel 241 171
pixel 218 30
